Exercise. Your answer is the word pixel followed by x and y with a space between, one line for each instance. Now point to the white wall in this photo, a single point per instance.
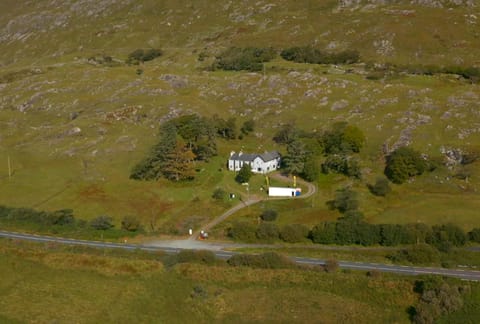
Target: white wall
pixel 282 192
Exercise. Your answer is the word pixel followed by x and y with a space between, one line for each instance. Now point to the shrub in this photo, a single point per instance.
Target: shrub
pixel 294 233
pixel 324 233
pixel 248 58
pixel 404 163
pixel 242 231
pixel 309 54
pixel 101 222
pixel 269 260
pixel 380 188
pixel 269 215
pixel 417 254
pixel 345 200
pixel 219 194
pixel 331 265
pixel 248 126
pixel 267 232
pixel 474 235
pixel 140 55
pixel 196 256
pixel 131 223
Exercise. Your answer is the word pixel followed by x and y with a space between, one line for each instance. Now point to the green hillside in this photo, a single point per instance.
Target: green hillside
pixel 73 122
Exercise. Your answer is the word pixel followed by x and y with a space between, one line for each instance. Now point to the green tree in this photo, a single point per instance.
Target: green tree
pixel 311 169
pixel 151 168
pixel 179 163
pixel 248 126
pixel 244 174
pixel 404 163
pixel 296 156
pixel 286 134
pixel 343 138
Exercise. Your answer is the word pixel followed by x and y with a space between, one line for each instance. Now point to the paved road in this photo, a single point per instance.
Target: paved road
pixel 176 246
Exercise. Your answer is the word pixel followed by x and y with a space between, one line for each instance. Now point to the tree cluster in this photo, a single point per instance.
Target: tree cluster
pixel 183 140
pixel 268 232
pixel 63 221
pixel 141 55
pixel 438 297
pixel 470 73
pixel 246 58
pixel 63 217
pixel 305 150
pixel 310 54
pixel 351 229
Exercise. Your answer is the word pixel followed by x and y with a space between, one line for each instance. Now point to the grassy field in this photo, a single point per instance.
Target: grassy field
pixel 121 287
pixel 73 129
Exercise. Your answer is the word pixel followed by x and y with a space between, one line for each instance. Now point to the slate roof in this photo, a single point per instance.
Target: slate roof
pixel 267 156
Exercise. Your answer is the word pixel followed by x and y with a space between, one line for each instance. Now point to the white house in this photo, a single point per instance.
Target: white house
pixel 260 163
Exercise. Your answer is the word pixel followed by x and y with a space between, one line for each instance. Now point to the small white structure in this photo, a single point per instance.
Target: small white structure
pixel 259 163
pixel 284 192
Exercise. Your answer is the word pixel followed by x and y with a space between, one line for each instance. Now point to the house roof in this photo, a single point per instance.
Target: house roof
pixel 267 156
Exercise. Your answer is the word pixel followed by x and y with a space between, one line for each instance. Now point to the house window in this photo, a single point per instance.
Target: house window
pixel 259 169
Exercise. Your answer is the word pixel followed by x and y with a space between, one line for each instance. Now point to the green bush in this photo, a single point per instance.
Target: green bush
pixel 141 55
pixel 131 223
pixel 242 231
pixel 474 235
pixel 309 54
pixel 197 256
pixel 417 254
pixel 404 163
pixel 267 232
pixel 219 194
pixel 269 215
pixel 269 260
pixel 294 233
pixel 380 188
pixel 324 233
pixel 345 200
pixel 248 58
pixel 331 265
pixel 102 222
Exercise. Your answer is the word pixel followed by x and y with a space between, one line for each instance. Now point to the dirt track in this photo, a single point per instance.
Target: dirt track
pixel 311 189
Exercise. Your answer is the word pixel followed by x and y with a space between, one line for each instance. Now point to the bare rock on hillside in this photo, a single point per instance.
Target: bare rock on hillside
pixel 73 131
pixel 338 105
pixel 384 47
pixel 175 81
pixel 453 156
pixel 273 101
